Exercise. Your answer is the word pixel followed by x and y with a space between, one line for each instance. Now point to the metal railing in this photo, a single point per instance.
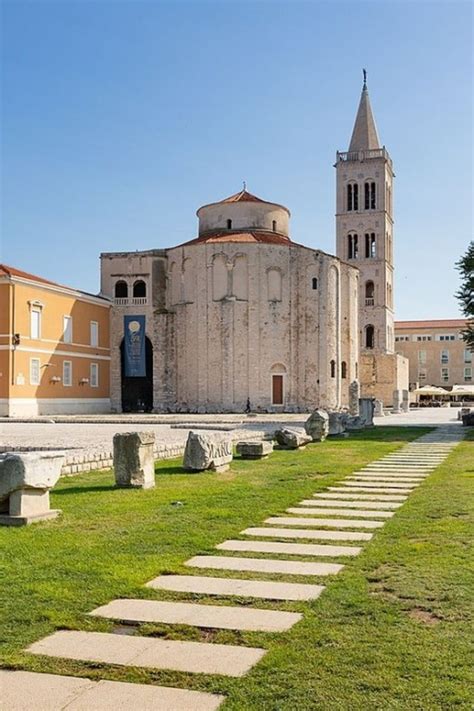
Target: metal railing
pixel 133 301
pixel 363 155
pixel 369 302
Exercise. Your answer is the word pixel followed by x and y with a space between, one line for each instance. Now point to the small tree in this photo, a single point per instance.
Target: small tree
pixel 465 295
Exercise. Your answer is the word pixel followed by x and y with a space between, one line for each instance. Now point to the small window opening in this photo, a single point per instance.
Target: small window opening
pixel 356 196
pixel 372 196
pixel 369 336
pixel 121 290
pixel 352 246
pixel 139 289
pixel 274 225
pixel 343 369
pixel 229 224
pixel 314 283
pixel 333 369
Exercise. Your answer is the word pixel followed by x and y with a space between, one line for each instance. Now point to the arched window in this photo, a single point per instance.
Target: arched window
pixel 314 283
pixel 274 225
pixel 121 290
pixel 369 291
pixel 352 246
pixel 333 369
pixel 369 195
pixel 370 245
pixel 139 289
pixel 343 369
pixel 369 336
pixel 229 224
pixel 352 197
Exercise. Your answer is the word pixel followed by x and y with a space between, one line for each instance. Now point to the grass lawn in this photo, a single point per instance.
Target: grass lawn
pixel 391 631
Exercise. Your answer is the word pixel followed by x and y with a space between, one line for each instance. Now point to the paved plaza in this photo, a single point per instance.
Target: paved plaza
pixel 96 432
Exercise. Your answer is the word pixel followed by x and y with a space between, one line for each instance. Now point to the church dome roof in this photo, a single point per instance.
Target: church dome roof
pixel 257 236
pixel 242 196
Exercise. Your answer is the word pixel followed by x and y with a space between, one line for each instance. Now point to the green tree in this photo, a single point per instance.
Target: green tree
pixel 465 294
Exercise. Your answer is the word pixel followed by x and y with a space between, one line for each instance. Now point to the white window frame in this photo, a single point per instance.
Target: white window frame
pixel 445 375
pixel 35 381
pixel 94 333
pixel 467 356
pixel 444 356
pixel 94 381
pixel 35 310
pixel 67 328
pixel 67 382
pixel 468 374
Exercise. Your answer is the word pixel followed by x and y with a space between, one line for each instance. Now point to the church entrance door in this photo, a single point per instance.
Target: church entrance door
pixel 137 393
pixel 277 389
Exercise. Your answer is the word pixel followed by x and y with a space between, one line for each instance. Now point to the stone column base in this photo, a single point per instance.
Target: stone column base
pixel 7 520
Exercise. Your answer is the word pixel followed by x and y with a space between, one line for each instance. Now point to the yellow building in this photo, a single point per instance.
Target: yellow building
pixel 54 347
pixel 436 352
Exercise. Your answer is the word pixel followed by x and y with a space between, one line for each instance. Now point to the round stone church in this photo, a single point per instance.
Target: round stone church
pixel 241 318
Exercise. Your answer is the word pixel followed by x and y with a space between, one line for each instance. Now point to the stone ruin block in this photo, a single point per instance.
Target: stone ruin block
pixel 354 395
pixel 317 425
pixel 292 437
pixel 260 449
pixel 25 481
pixel 396 402
pixel 378 408
pixel 134 461
pixel 207 451
pixel 405 405
pixel 337 423
pixel 366 410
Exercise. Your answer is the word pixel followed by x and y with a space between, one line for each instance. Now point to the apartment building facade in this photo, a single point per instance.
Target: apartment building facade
pixel 436 352
pixel 54 347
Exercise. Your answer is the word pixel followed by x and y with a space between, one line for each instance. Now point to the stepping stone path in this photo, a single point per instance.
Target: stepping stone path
pixel 375 492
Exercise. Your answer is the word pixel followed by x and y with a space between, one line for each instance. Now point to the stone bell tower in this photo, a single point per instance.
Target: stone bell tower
pixel 364 238
pixel 364 226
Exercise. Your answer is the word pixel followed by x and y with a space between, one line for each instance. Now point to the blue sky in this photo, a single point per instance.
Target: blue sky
pixel 119 119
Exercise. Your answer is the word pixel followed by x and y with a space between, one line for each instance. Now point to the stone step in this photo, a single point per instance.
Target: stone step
pixel 290 548
pixel 263 565
pixel 339 503
pixel 361 513
pixel 28 691
pixel 261 589
pixel 150 653
pixel 309 534
pixel 360 497
pixel 376 489
pixel 383 478
pixel 366 484
pixel 191 613
pixel 328 522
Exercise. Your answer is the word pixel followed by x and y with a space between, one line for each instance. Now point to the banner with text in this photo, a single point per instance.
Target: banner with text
pixel 134 346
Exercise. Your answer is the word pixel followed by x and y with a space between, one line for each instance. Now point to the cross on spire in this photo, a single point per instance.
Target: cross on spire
pixel 364 71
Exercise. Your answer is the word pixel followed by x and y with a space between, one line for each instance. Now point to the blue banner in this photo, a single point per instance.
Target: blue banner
pixel 134 346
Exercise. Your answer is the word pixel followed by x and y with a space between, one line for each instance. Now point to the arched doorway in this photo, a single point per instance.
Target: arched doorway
pixel 137 393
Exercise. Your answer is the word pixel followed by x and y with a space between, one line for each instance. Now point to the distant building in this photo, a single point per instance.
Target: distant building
pixel 239 317
pixel 436 352
pixel 364 238
pixel 54 347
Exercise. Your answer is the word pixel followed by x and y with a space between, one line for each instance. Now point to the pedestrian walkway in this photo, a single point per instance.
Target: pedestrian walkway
pixel 364 500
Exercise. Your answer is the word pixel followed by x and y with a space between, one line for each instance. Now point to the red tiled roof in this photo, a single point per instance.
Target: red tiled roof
pixel 243 196
pixel 228 236
pixel 11 271
pixel 439 323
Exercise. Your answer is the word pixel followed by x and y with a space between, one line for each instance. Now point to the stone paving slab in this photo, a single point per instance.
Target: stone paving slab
pixel 341 512
pixel 384 479
pixel 341 504
pixel 261 589
pixel 290 548
pixel 192 613
pixel 263 565
pixel 329 522
pixel 391 487
pixel 309 534
pixel 195 657
pixel 360 497
pixel 390 475
pixel 382 489
pixel 397 468
pixel 30 691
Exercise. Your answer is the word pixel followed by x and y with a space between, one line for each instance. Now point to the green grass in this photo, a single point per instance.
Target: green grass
pixel 390 632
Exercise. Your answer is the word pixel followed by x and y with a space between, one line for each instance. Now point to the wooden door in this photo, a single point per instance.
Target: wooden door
pixel 277 389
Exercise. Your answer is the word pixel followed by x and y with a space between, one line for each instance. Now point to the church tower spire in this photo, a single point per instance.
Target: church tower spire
pixel 364 226
pixel 364 134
